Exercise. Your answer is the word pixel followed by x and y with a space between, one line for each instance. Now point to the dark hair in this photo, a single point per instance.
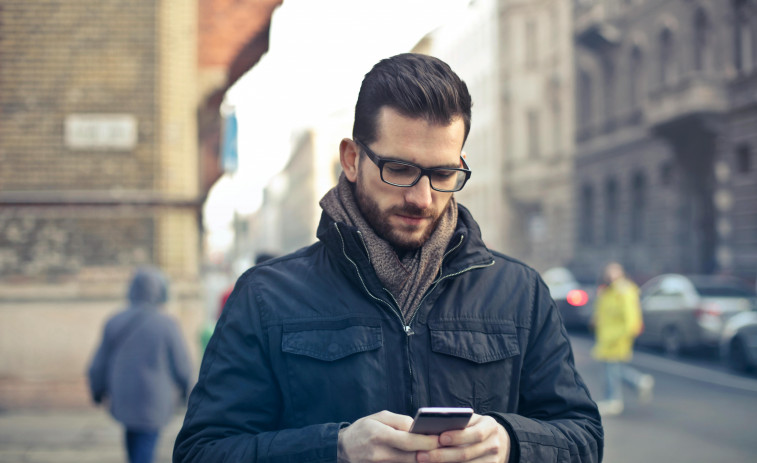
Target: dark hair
pixel 415 85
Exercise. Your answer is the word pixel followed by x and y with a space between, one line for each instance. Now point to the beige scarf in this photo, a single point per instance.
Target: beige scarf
pixel 408 278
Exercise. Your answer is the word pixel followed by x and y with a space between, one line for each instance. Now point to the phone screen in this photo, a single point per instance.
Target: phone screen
pixel 436 420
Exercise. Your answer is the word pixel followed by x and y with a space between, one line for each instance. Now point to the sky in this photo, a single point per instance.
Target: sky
pixel 318 55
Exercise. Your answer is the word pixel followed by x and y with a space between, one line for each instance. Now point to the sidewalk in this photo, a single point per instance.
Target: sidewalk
pixel 80 436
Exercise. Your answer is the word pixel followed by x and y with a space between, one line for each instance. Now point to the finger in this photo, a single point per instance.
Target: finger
pixel 483 451
pixel 390 454
pixel 394 420
pixel 479 429
pixel 395 434
pixel 411 442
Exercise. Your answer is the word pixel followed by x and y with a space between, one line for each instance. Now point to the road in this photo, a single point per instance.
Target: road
pixel 700 412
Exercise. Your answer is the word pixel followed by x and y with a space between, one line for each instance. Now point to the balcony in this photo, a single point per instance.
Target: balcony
pixel 692 96
pixel 592 28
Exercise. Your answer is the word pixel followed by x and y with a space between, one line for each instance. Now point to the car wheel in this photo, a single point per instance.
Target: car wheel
pixel 737 355
pixel 672 341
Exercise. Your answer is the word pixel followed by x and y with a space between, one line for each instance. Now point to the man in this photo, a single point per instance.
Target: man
pixel 617 322
pixel 325 354
pixel 142 365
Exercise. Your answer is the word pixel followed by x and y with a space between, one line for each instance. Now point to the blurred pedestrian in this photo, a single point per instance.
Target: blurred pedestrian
pixel 617 322
pixel 142 366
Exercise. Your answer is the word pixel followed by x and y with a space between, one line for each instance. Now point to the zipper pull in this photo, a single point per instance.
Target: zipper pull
pixel 409 331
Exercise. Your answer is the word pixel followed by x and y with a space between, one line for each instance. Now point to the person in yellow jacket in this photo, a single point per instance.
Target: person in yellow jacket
pixel 617 321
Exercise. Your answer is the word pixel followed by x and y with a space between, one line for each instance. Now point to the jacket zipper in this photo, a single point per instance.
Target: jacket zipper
pixel 406 327
pixel 444 277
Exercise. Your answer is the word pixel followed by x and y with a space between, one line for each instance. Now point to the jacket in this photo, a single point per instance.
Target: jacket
pixel 142 365
pixel 311 342
pixel 617 321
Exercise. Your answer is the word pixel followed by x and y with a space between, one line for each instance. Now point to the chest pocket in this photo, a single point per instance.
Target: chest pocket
pixel 474 363
pixel 333 368
pixel 329 344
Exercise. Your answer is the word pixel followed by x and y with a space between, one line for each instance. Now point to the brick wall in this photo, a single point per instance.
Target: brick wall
pixel 62 58
pixel 75 220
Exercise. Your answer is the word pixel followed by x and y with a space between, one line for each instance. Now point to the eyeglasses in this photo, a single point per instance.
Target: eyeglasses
pixel 407 174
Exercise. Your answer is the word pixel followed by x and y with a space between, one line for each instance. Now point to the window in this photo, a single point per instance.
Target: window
pixel 557 126
pixel 586 101
pixel 666 57
pixel 586 220
pixel 701 40
pixel 533 134
pixel 609 88
pixel 638 206
pixel 531 48
pixel 556 108
pixel 744 159
pixel 635 78
pixel 743 53
pixel 611 211
pixel 666 173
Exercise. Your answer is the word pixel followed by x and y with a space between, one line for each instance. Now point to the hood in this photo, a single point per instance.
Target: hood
pixel 149 286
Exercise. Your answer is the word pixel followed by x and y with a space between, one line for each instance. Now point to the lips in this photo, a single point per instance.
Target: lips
pixel 412 220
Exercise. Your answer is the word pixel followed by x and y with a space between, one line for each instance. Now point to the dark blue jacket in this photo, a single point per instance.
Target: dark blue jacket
pixel 310 342
pixel 142 366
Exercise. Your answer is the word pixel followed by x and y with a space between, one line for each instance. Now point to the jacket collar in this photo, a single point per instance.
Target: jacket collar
pixel 466 248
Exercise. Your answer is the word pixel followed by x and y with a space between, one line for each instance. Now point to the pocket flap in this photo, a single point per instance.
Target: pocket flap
pixel 329 344
pixel 476 346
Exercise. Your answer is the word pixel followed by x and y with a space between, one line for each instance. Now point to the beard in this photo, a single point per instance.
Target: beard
pixel 401 239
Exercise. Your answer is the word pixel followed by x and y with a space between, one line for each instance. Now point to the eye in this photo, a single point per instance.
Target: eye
pixel 444 174
pixel 399 169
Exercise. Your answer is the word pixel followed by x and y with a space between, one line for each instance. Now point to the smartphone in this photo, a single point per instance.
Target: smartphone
pixel 436 420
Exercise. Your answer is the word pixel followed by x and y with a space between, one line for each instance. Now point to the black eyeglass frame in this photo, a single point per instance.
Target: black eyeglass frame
pixel 427 171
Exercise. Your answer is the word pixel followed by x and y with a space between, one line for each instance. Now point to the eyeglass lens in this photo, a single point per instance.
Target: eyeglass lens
pixel 405 175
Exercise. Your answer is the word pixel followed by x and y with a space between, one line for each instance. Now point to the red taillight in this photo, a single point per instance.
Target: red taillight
pixel 577 297
pixel 712 309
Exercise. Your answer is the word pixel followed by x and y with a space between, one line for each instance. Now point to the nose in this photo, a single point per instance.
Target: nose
pixel 420 193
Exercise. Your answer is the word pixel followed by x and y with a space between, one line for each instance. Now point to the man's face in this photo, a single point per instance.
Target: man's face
pixel 406 216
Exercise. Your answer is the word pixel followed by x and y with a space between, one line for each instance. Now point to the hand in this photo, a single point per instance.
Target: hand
pixel 382 436
pixel 483 440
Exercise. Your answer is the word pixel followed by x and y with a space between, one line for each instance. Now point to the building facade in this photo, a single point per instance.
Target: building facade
pixel 100 172
pixel 665 136
pixel 517 58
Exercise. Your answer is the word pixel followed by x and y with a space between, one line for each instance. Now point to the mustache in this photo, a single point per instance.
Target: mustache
pixel 412 211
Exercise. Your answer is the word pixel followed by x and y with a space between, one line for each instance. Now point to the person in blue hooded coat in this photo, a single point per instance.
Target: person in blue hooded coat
pixel 142 367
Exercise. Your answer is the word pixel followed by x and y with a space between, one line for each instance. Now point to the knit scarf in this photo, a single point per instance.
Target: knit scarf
pixel 407 278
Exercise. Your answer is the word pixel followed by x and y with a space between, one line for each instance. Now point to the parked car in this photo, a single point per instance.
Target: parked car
pixel 575 300
pixel 738 342
pixel 689 311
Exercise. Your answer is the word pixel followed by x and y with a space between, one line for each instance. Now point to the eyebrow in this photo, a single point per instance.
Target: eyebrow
pixel 441 166
pixel 388 158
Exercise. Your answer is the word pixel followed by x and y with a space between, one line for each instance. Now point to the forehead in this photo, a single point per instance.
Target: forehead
pixel 418 140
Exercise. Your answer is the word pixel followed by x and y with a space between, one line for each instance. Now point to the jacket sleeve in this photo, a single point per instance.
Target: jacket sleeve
pixel 234 408
pixel 98 372
pixel 181 365
pixel 557 421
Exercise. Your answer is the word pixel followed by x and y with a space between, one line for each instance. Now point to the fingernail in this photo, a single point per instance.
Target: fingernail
pixel 422 456
pixel 445 440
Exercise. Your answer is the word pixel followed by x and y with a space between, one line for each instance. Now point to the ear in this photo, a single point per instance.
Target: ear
pixel 348 157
